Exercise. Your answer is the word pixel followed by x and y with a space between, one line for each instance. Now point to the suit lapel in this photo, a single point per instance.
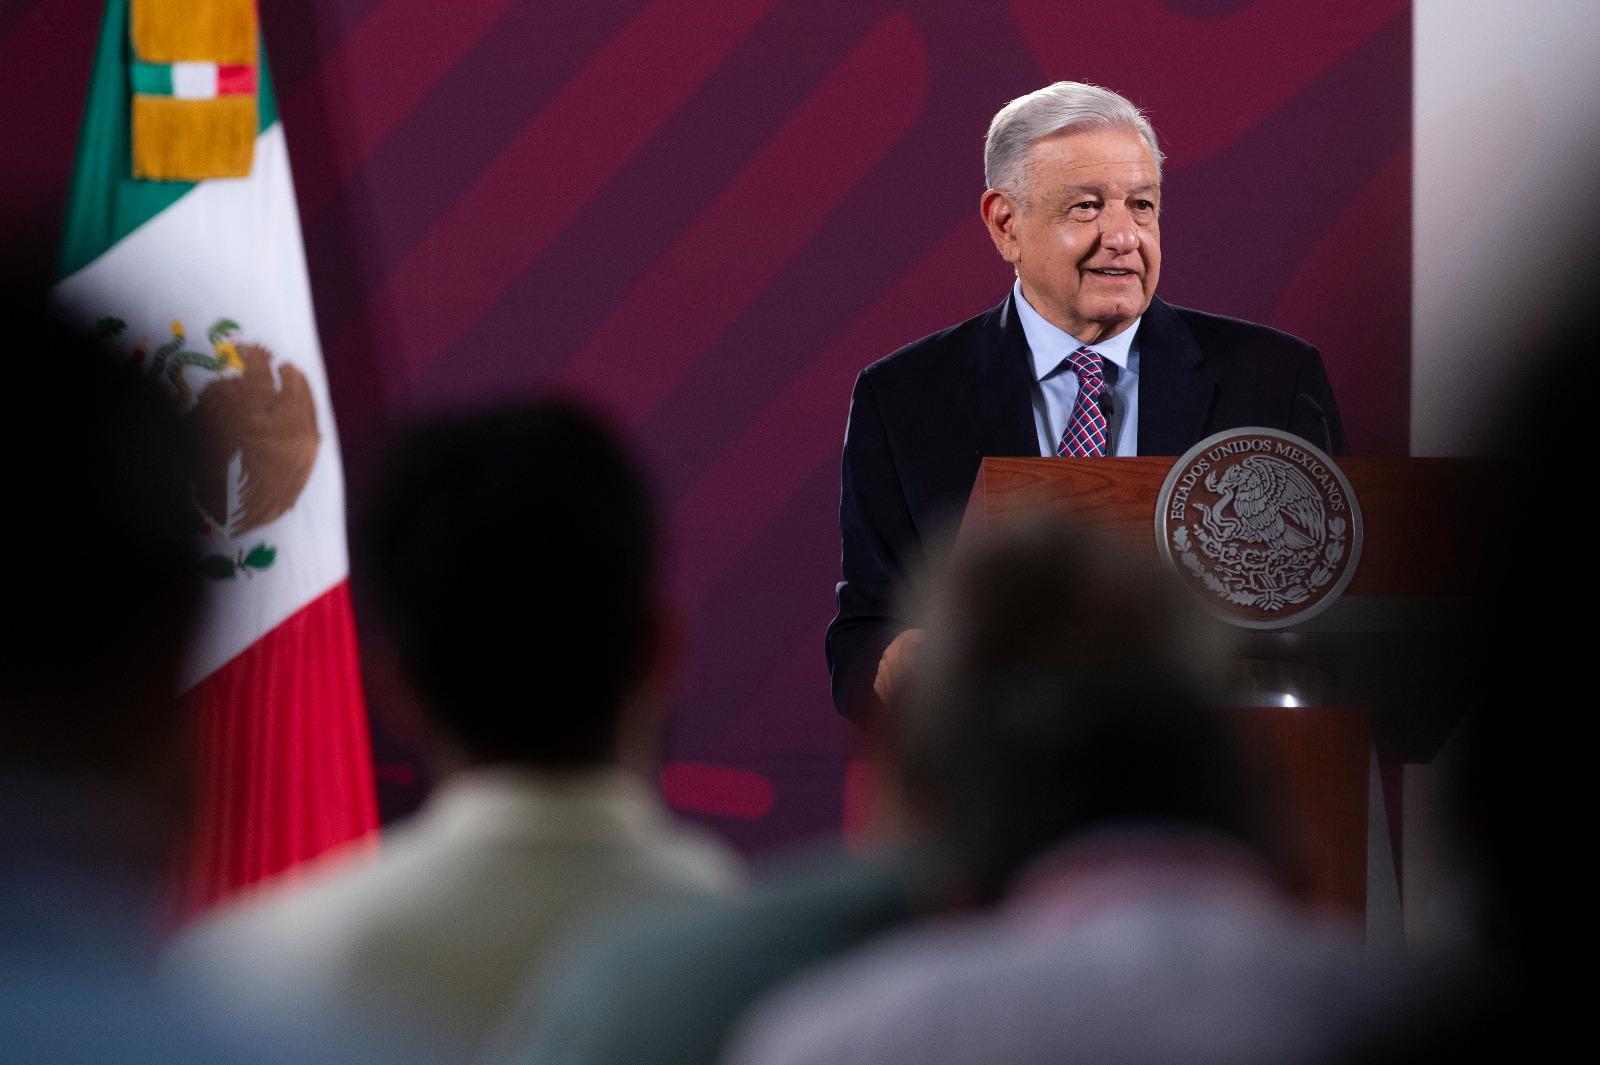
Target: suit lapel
pixel 1175 385
pixel 1001 377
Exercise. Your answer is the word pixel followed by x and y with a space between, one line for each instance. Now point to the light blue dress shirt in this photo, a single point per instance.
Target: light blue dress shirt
pixel 1055 387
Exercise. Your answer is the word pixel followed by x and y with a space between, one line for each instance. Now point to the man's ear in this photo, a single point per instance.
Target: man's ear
pixel 394 697
pixel 1000 213
pixel 644 704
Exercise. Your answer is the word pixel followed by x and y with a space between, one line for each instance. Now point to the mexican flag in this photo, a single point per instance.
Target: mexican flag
pixel 182 247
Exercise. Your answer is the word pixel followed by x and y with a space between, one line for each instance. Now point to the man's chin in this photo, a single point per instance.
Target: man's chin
pixel 1110 319
pixel 1113 314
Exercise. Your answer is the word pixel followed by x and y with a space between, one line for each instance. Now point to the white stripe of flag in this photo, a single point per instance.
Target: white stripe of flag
pixel 194 81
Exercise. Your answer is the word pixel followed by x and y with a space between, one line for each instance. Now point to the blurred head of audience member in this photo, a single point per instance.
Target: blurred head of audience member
pixel 512 557
pixel 100 586
pixel 1517 805
pixel 668 983
pixel 1516 794
pixel 1063 689
pixel 1059 735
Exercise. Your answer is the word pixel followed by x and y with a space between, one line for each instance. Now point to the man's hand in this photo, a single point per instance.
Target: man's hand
pixel 895 666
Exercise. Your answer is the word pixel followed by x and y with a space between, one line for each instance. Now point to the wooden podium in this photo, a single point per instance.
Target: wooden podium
pixel 1388 652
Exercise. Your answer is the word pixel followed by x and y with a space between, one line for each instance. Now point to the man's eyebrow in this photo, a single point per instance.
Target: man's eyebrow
pixel 1100 190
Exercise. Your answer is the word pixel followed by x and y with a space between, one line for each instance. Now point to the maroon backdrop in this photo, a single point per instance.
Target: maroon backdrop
pixel 708 215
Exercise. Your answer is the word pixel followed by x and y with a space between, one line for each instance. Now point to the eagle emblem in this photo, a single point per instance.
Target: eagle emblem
pixel 256 419
pixel 1261 524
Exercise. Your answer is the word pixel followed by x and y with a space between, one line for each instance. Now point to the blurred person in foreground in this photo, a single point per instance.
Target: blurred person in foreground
pixel 668 985
pixel 1515 802
pixel 100 588
pixel 666 982
pixel 512 556
pixel 1058 736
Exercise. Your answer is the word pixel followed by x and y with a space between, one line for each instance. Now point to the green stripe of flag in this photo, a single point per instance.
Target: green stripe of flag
pixel 104 201
pixel 153 79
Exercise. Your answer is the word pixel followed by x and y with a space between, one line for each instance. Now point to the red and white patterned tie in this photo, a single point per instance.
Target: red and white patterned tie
pixel 1086 429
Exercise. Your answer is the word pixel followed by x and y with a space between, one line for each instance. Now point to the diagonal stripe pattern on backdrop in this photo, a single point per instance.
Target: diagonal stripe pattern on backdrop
pixel 774 205
pixel 758 473
pixel 538 185
pixel 366 82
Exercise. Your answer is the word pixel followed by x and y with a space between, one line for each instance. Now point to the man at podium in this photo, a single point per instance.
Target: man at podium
pixel 1079 359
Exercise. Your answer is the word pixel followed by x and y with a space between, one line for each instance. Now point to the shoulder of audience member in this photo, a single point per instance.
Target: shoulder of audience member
pixel 697 858
pixel 275 932
pixel 673 970
pixel 646 949
pixel 91 1017
pixel 836 1012
pixel 874 1004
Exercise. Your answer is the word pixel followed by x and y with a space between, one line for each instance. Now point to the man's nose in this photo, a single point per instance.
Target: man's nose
pixel 1117 231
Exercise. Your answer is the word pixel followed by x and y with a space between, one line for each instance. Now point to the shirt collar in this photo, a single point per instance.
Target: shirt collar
pixel 1115 865
pixel 1050 346
pixel 589 803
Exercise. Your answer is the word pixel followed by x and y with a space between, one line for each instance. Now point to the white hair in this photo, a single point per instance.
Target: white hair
pixel 1065 107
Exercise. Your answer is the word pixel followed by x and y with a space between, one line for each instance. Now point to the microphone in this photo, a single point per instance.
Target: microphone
pixel 1103 401
pixel 1322 420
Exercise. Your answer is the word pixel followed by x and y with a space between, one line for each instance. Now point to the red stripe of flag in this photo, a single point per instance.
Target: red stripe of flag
pixel 285 757
pixel 236 79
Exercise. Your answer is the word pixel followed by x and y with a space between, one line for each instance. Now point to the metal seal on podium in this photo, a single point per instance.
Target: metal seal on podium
pixel 1263 526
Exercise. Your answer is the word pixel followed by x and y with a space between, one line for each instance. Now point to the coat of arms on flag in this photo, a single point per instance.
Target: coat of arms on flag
pixel 258 426
pixel 182 245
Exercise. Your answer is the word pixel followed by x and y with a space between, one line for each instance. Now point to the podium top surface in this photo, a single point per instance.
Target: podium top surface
pixel 1423 527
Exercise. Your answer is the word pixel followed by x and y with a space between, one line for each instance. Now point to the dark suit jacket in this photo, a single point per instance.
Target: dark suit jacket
pixel 923 418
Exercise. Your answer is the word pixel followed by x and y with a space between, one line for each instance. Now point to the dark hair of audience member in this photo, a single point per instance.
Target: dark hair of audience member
pixel 100 566
pixel 1518 798
pixel 1060 690
pixel 1517 811
pixel 512 558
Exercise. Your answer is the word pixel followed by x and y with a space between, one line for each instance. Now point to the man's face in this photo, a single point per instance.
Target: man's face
pixel 1086 240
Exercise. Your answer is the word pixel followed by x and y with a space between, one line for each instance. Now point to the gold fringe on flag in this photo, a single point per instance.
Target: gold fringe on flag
pixel 194 31
pixel 192 140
